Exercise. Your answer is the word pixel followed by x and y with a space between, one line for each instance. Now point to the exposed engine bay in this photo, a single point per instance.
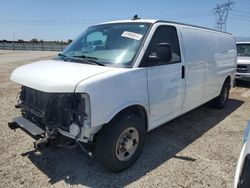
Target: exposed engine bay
pixel 51 110
pixel 57 118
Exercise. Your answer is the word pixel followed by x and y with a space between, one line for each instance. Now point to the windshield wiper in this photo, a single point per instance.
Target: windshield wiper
pixel 84 56
pixel 89 59
pixel 61 55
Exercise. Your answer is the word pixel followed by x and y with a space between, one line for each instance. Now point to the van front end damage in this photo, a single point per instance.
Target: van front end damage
pixel 55 116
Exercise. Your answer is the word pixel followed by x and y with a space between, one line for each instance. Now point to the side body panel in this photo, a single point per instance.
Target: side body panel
pixel 210 58
pixel 225 57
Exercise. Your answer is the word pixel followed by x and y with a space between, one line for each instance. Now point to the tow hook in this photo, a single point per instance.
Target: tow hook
pixel 41 143
pixel 13 125
pixel 49 139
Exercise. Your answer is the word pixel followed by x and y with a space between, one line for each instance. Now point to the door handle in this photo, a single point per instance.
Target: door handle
pixel 183 72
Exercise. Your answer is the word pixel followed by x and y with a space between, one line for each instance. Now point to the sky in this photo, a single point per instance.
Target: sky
pixel 66 19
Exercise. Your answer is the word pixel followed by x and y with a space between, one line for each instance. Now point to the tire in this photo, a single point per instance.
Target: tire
pixel 221 101
pixel 120 143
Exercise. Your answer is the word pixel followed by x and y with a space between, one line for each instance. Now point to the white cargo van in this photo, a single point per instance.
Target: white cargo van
pixel 120 79
pixel 243 62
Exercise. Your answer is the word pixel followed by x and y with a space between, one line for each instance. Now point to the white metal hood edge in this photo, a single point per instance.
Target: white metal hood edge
pixel 55 76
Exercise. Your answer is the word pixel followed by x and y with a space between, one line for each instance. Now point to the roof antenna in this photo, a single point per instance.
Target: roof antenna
pixel 136 17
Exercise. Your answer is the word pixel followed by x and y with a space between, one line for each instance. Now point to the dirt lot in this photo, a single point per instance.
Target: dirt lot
pixel 198 149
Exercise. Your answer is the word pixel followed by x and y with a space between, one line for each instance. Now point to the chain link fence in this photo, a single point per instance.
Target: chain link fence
pixel 33 46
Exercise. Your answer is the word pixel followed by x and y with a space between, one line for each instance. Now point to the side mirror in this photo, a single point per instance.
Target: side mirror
pixel 163 53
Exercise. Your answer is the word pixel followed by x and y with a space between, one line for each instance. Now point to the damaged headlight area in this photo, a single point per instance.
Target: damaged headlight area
pixel 69 112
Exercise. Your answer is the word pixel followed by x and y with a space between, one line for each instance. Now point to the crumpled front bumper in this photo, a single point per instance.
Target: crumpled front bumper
pixel 36 132
pixel 27 126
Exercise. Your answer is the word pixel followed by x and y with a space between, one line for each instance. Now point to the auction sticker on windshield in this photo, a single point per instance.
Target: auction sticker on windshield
pixel 132 35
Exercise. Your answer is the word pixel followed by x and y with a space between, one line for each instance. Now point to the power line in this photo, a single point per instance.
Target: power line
pixel 239 18
pixel 91 21
pixel 183 15
pixel 240 15
pixel 240 11
pixel 51 22
pixel 222 12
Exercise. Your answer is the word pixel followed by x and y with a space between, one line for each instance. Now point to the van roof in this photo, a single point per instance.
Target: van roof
pixel 242 42
pixel 152 21
pixel 133 21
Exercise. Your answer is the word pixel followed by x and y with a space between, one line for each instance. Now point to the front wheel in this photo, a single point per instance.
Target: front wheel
pixel 220 101
pixel 120 143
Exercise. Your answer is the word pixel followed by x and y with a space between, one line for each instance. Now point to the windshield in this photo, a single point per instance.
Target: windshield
pixel 243 49
pixel 108 44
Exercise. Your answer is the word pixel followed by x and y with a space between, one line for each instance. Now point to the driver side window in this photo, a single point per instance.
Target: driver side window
pixel 164 34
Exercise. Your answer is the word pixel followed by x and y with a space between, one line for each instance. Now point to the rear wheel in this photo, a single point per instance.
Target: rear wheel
pixel 220 101
pixel 120 143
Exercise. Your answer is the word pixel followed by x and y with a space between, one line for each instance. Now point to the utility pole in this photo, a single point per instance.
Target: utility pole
pixel 222 12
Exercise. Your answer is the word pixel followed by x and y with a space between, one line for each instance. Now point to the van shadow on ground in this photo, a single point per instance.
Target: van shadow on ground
pixel 162 144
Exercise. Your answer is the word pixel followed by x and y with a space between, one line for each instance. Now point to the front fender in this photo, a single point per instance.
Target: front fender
pixel 113 91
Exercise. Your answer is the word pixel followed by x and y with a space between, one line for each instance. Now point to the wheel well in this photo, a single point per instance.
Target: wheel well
pixel 135 109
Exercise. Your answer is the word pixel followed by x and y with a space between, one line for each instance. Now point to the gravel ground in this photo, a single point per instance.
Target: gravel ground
pixel 198 149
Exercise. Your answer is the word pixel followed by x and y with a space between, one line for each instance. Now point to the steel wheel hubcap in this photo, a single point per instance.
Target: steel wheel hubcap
pixel 127 144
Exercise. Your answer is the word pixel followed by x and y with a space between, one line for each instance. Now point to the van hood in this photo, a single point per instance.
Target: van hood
pixel 55 75
pixel 243 60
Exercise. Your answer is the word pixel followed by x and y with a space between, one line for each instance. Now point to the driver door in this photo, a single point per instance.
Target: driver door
pixel 166 80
